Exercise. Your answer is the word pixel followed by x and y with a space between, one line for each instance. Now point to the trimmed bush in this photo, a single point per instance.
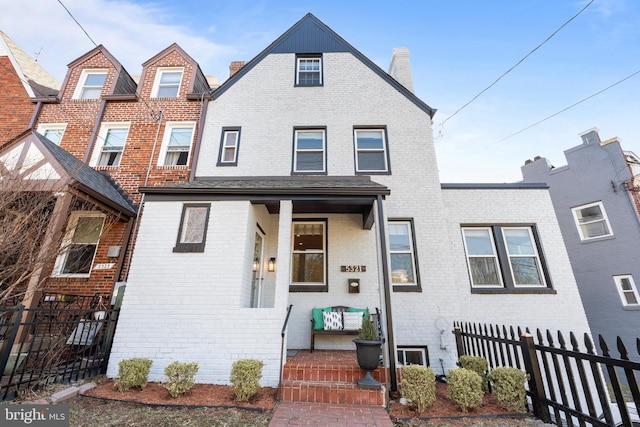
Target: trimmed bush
pixel 478 365
pixel 508 387
pixel 180 377
pixel 465 388
pixel 419 386
pixel 133 373
pixel 245 378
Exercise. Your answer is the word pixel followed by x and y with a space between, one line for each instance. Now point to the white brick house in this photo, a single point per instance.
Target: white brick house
pixel 316 159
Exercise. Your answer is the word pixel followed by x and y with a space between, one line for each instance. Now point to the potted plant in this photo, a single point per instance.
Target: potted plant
pixel 368 350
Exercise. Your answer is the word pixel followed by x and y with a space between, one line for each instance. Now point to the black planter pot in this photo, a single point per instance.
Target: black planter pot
pixel 368 359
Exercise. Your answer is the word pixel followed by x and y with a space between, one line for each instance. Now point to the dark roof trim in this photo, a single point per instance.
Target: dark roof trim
pixel 497 186
pixel 344 46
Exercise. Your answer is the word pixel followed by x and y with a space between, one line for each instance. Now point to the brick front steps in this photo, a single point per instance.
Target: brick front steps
pixel 327 376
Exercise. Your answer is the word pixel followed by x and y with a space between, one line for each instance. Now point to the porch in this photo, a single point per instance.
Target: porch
pixel 329 376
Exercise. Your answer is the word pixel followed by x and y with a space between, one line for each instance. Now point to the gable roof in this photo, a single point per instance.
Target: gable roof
pixel 310 35
pixel 80 175
pixel 36 81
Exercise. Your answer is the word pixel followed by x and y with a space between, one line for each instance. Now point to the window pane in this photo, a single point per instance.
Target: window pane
pixel 53 135
pixel 310 140
pixel 413 357
pixel 308 268
pixel 193 225
pixel 79 259
pixel 91 93
pixel 230 139
pixel 310 161
pixel 167 91
pixel 308 237
pixel 525 271
pixel 368 140
pixel 368 161
pixel 630 298
pixel 399 237
pixel 172 77
pixel 592 213
pixel 595 229
pixel 484 271
pixel 625 284
pixel 180 137
pixel 229 154
pixel 478 242
pixel 518 241
pixel 115 139
pixel 88 229
pixel 402 268
pixel 95 80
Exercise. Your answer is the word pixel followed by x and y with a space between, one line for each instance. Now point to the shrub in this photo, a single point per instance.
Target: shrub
pixel 478 365
pixel 465 388
pixel 419 386
pixel 508 387
pixel 245 378
pixel 180 377
pixel 133 373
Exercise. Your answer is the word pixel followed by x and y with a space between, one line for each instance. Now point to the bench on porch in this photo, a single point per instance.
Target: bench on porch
pixel 350 327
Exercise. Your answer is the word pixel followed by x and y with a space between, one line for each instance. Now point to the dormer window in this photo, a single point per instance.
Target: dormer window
pixel 167 83
pixel 90 84
pixel 309 70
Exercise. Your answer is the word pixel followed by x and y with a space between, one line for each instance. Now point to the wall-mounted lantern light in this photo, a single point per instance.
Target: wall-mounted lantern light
pixel 256 264
pixel 354 286
pixel 271 265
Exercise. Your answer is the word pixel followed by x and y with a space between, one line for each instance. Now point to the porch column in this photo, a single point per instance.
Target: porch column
pixel 283 252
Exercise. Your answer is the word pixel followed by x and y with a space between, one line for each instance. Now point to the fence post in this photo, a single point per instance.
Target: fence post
pixel 536 386
pixel 10 337
pixel 457 331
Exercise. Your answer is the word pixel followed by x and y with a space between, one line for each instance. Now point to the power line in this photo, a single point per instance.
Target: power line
pixel 76 21
pixel 569 107
pixel 518 63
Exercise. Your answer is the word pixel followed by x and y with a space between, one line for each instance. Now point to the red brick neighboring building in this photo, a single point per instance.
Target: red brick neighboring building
pixel 22 79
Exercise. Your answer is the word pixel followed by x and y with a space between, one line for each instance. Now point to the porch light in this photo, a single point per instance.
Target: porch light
pixel 271 265
pixel 256 264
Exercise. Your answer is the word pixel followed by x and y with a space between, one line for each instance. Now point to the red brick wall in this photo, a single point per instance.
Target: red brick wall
pixel 16 107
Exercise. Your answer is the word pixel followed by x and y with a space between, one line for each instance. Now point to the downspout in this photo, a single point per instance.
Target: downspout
pixel 125 247
pixel 94 132
pixel 196 149
pixel 384 257
pixel 36 114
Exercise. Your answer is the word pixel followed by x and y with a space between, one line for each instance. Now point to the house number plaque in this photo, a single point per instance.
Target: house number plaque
pixel 353 268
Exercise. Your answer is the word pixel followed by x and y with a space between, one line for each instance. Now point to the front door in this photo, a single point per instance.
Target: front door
pixel 256 280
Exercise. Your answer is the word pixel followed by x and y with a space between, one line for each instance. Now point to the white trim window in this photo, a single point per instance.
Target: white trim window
pixel 309 253
pixel 90 84
pixel 371 150
pixel 110 144
pixel 167 82
pixel 309 151
pixel 229 144
pixel 402 253
pixel 627 290
pixel 592 221
pixel 412 356
pixel 79 244
pixel 52 131
pixel 309 71
pixel 176 144
pixel 503 257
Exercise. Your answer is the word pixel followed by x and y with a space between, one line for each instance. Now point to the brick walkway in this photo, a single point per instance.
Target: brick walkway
pixel 328 414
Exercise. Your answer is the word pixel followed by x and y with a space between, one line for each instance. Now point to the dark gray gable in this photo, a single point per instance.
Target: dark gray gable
pixel 310 35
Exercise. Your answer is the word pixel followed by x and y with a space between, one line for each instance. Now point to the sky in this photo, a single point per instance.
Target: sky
pixel 458 48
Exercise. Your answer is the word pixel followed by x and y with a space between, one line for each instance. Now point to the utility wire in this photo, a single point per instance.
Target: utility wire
pixel 518 63
pixel 569 107
pixel 76 21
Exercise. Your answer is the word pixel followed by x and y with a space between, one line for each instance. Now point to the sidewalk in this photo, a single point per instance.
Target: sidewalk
pixel 328 414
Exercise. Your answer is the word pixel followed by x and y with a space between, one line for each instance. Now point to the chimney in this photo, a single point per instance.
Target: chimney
pixel 590 136
pixel 400 67
pixel 235 67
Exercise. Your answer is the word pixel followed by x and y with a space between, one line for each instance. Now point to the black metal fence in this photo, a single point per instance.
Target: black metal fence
pixel 567 386
pixel 61 341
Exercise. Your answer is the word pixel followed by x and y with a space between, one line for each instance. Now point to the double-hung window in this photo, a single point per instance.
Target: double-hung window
pixel 404 271
pixel 309 70
pixel 79 244
pixel 192 233
pixel 167 83
pixel 176 144
pixel 229 144
pixel 371 151
pixel 627 290
pixel 591 221
pixel 504 257
pixel 309 151
pixel 110 144
pixel 90 84
pixel 309 256
pixel 53 132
